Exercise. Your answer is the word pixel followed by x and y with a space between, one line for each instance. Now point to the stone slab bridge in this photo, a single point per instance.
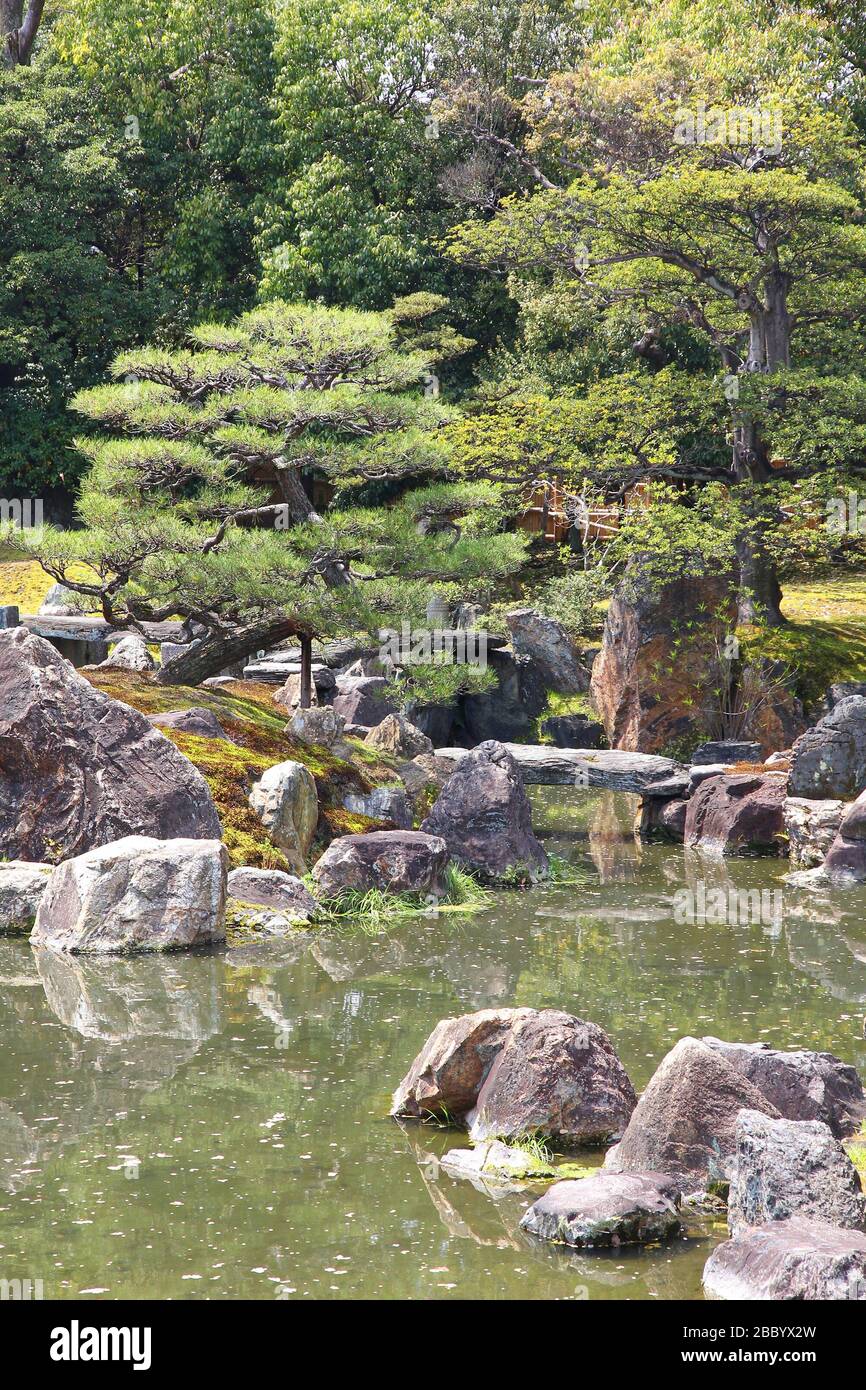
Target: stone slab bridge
pixel 543 765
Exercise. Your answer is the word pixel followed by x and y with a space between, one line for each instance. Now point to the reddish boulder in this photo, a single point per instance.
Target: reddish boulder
pixel 484 816
pixel 395 861
pixel 738 814
pixel 79 769
pixel 797 1260
pixel 505 1073
pixel 802 1085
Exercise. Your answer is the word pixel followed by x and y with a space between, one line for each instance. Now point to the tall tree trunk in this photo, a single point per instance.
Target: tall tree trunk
pixel 18 31
pixel 213 654
pixel 306 671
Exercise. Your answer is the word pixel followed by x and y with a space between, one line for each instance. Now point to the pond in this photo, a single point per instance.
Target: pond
pixel 215 1126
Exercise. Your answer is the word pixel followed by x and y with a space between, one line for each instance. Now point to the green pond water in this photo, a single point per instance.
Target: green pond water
pixel 215 1126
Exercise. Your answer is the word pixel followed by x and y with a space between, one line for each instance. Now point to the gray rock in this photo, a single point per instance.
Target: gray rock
pixel 395 861
pixel 788 1168
pixel 801 1085
pixel 324 683
pixel 829 761
pixel 727 751
pixel 840 691
pixel 607 1209
pixel 685 1121
pixel 79 769
pixel 362 700
pixel 138 894
pixel 397 736
pixel 510 1072
pixel 506 711
pixel 573 731
pixel 60 602
pixel 130 654
pixel 269 899
pixel 320 725
pixel 22 887
pixel 542 765
pixel 811 827
pixel 484 816
pixel 287 804
pixel 195 720
pixel 789 1260
pixel 382 803
pixel 547 644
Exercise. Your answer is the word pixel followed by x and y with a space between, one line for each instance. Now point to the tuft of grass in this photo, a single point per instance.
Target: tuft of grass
pixel 563 874
pixel 376 911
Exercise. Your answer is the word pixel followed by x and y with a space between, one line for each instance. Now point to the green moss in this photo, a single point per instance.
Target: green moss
pixel 825 638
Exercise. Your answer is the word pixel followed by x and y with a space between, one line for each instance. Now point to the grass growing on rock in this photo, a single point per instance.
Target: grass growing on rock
pixel 375 911
pixel 257 727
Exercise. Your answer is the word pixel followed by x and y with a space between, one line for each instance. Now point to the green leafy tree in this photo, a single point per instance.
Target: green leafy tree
pixel 197 502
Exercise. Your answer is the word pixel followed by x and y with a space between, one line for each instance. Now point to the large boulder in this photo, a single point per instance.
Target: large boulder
pixel 509 1072
pixel 22 887
pixel 484 816
pixel 196 720
pixel 320 725
pixel 362 700
pixel 653 680
pixel 811 827
pixel 738 814
pixel 397 736
pixel 507 711
pixel 269 899
pixel 845 862
pixel 60 602
pixel 802 1085
pixel 573 731
pixel 79 769
pixel 607 1209
pixel 548 645
pixel 395 861
pixel 129 654
pixel 798 1260
pixel 829 761
pixel 137 894
pixel 788 1168
pixel 287 804
pixel 685 1121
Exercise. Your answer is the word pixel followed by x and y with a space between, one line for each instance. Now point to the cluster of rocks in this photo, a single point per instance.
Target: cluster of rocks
pixel 760 1128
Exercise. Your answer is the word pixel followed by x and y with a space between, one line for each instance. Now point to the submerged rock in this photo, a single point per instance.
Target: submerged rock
pixel 789 1260
pixel 685 1121
pixel 287 804
pixel 79 769
pixel 22 887
pixel 607 1209
pixel 802 1085
pixel 496 1160
pixel 788 1168
pixel 484 816
pixel 395 861
pixel 138 894
pixel 508 1072
pixel 737 814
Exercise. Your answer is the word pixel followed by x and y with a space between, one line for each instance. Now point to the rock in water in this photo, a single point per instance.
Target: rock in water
pixel 137 894
pixel 508 1072
pixel 607 1209
pixel 277 899
pixel 79 769
pixel 396 735
pixel 811 827
pixel 788 1168
pixel 129 654
pixel 802 1085
pixel 846 858
pixel 740 814
pixel 829 760
pixel 483 815
pixel 553 652
pixel 785 1260
pixel 496 1160
pixel 394 861
pixel 22 887
pixel 287 804
pixel 685 1121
